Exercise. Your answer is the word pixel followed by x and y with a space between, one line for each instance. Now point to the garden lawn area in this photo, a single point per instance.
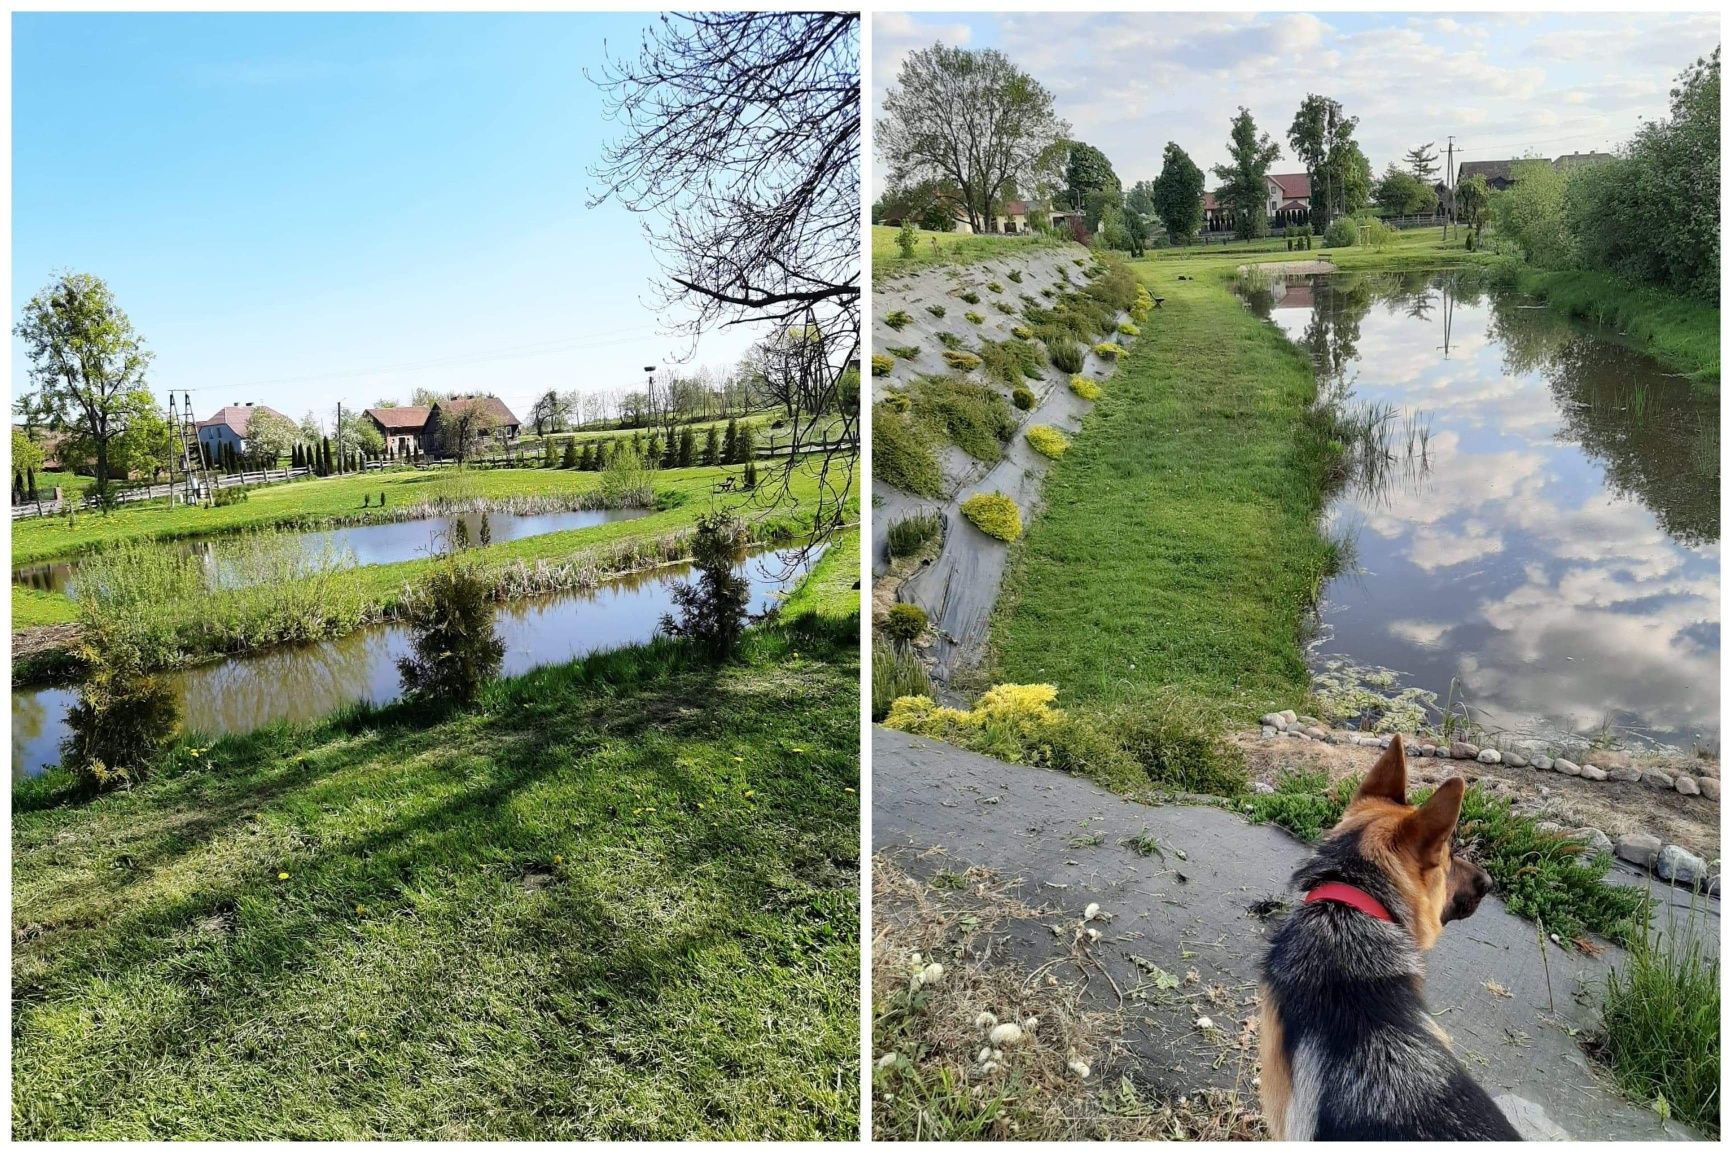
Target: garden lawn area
pixel 953 249
pixel 618 899
pixel 1679 331
pixel 686 492
pixel 1179 541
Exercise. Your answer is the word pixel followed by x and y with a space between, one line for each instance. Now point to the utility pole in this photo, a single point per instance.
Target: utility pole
pixel 1449 186
pixel 340 438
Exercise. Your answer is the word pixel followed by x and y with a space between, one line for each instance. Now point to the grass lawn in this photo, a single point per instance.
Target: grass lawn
pixel 1679 331
pixel 689 491
pixel 1180 542
pixel 953 249
pixel 617 899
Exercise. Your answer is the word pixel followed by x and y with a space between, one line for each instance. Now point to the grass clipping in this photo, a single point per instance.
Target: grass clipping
pixel 965 1048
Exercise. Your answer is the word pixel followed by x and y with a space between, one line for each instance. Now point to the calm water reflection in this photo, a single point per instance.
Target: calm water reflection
pixel 1557 555
pixel 379 544
pixel 302 683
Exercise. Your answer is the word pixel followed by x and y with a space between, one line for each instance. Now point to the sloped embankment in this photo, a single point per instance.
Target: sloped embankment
pixel 968 360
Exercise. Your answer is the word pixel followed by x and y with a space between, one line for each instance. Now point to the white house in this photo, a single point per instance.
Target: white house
pixel 228 426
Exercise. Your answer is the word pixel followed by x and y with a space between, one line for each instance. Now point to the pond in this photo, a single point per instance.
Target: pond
pixel 305 682
pixel 1543 548
pixel 380 543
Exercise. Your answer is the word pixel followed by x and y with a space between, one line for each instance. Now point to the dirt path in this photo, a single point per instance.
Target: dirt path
pixel 1187 924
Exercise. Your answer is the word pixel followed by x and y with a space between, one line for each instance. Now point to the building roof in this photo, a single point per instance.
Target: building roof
pixel 1293 185
pixel 1293 204
pixel 492 406
pixel 1572 160
pixel 399 418
pixel 1016 208
pixel 238 417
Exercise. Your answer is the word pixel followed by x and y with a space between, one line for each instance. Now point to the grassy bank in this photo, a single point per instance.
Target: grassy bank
pixel 948 249
pixel 616 899
pixel 1680 332
pixel 1182 544
pixel 521 566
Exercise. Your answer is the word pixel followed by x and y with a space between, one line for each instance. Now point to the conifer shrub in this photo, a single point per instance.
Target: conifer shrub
pixel 897 319
pixel 969 295
pixel 905 352
pixel 904 622
pixel 1109 351
pixel 936 310
pixel 454 649
pixel 961 361
pixel 882 363
pixel 1047 441
pixel 1023 398
pixel 711 612
pixel 974 318
pixel 1065 354
pixel 1085 387
pixel 995 515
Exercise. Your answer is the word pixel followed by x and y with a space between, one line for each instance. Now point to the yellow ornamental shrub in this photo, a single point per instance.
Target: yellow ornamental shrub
pixel 1086 389
pixel 1010 721
pixel 1022 332
pixel 882 363
pixel 995 515
pixel 1129 329
pixel 960 361
pixel 975 318
pixel 1047 441
pixel 1109 350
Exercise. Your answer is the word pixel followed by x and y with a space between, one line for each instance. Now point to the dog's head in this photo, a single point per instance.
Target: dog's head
pixel 1410 845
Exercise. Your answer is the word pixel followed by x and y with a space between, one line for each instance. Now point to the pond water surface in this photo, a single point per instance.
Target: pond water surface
pixel 381 543
pixel 305 682
pixel 1549 555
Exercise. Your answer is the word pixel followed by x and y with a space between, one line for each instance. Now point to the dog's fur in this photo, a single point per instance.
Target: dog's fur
pixel 1348 1049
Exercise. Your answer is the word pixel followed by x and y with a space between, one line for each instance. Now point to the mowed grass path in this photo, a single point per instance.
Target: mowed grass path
pixel 1178 541
pixel 618 899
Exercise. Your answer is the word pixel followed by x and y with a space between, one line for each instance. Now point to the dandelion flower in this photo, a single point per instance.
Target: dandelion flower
pixel 360 910
pixel 1205 1023
pixel 1005 1034
pixel 932 973
pixel 1094 908
pixel 282 875
pixel 1078 1068
pixel 558 858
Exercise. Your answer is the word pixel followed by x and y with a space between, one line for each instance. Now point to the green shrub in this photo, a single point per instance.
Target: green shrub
pixel 1129 330
pixel 454 649
pixel 1047 441
pixel 228 495
pixel 994 287
pixel 910 535
pixel 904 622
pixel 711 612
pixel 124 718
pixel 1010 361
pixel 896 673
pixel 969 295
pixel 1005 307
pixel 906 352
pixel 1341 234
pixel 961 361
pixel 975 417
pixel 1016 275
pixel 1179 743
pixel 974 318
pixel 1084 387
pixel 995 515
pixel 950 340
pixel 1304 803
pixel 1023 397
pixel 906 239
pixel 882 363
pixel 904 453
pixel 1066 355
pixel 1022 332
pixel 897 319
pixel 1378 235
pixel 936 310
pixel 1109 350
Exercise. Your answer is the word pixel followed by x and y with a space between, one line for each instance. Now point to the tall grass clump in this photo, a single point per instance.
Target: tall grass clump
pixel 1662 1026
pixel 1065 354
pixel 909 535
pixel 896 673
pixel 627 482
pixel 904 453
pixel 976 418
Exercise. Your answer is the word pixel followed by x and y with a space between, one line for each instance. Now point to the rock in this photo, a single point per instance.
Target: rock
pixel 1275 720
pixel 1262 788
pixel 1684 784
pixel 1290 717
pixel 1624 774
pixel 1386 741
pixel 1710 788
pixel 1270 731
pixel 1463 750
pixel 1595 839
pixel 1640 849
pixel 1316 733
pixel 1515 760
pixel 1565 766
pixel 1549 827
pixel 1658 778
pixel 1675 864
pixel 1307 721
pixel 1593 773
pixel 1489 756
pixel 1530 1120
pixel 1541 762
pixel 1427 750
pixel 1707 771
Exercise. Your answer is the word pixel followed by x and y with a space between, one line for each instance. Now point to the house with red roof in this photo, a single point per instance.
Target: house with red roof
pixel 1288 202
pixel 228 427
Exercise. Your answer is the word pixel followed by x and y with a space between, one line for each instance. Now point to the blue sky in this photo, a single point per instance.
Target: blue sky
pixel 1505 84
pixel 301 209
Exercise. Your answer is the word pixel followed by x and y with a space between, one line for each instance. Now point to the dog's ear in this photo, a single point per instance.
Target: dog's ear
pixel 1388 777
pixel 1427 831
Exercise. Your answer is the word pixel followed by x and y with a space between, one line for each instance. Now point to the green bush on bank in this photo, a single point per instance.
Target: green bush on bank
pixel 995 515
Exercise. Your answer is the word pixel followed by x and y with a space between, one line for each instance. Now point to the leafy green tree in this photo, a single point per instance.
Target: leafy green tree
pixel 1088 172
pixel 1531 213
pixel 1399 193
pixel 1245 179
pixel 1140 199
pixel 87 364
pixel 1473 204
pixel 971 119
pixel 1322 138
pixel 1178 194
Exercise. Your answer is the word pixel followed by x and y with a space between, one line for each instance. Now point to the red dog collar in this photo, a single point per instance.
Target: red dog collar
pixel 1348 896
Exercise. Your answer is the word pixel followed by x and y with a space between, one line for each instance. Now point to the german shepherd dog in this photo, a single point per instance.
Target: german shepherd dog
pixel 1348 1049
